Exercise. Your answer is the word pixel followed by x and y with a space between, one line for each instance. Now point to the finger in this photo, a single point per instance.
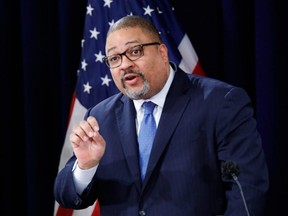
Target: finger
pixel 80 132
pixel 98 138
pixel 93 123
pixel 75 140
pixel 87 129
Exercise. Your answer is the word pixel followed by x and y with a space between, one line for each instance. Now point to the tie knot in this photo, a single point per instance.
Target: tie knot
pixel 148 107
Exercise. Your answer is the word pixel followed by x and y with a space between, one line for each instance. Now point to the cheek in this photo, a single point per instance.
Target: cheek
pixel 158 74
pixel 117 79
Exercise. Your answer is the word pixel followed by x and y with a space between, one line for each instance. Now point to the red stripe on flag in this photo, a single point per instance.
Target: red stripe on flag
pixel 64 212
pixel 198 70
pixel 72 107
pixel 96 211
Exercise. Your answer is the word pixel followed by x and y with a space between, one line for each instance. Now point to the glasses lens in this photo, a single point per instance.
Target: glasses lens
pixel 113 60
pixel 134 53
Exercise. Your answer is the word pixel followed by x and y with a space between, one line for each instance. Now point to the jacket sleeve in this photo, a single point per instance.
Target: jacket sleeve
pixel 65 192
pixel 239 141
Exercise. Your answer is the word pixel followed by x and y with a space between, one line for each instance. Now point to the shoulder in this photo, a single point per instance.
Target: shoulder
pixel 208 82
pixel 213 85
pixel 199 81
pixel 214 89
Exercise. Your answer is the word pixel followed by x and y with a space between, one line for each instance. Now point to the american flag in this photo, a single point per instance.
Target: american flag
pixel 94 81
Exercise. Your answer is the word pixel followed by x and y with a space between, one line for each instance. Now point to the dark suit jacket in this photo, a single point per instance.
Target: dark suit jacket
pixel 204 123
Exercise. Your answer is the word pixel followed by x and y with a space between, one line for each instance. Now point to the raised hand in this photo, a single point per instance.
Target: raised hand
pixel 88 145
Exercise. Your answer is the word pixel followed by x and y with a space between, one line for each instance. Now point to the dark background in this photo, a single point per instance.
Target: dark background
pixel 241 42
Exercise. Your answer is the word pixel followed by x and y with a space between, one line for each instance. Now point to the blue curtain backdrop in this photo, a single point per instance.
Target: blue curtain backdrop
pixel 241 42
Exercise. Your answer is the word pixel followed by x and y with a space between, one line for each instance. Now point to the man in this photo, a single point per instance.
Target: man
pixel 201 125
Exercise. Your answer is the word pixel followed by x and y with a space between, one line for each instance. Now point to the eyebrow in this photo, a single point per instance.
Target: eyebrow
pixel 129 42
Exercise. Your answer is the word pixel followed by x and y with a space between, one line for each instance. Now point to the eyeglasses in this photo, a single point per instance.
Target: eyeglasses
pixel 133 53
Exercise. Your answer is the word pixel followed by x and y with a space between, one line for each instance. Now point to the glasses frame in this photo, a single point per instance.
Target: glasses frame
pixel 105 59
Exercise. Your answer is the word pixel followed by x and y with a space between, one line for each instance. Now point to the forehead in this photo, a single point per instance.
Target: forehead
pixel 124 37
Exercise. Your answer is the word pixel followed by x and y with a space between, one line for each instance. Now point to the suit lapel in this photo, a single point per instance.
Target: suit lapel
pixel 126 115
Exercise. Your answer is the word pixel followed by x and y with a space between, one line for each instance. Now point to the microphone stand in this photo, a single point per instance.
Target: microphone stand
pixel 231 169
pixel 241 191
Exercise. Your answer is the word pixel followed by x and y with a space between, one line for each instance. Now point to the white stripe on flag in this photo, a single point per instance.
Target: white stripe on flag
pixel 189 57
pixel 78 112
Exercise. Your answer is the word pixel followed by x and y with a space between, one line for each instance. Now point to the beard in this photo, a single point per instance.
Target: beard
pixel 136 95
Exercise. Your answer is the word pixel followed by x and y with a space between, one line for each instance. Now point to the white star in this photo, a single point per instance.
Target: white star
pixel 105 80
pixel 148 10
pixel 82 43
pixel 99 56
pixel 159 11
pixel 111 23
pixel 107 3
pixel 89 10
pixel 87 87
pixel 84 64
pixel 94 33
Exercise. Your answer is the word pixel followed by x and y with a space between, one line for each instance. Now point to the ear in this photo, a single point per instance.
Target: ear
pixel 164 51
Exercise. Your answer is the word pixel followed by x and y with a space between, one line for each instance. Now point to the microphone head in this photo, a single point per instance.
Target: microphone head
pixel 229 168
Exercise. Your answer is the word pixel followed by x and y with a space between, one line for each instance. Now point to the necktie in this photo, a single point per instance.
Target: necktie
pixel 146 135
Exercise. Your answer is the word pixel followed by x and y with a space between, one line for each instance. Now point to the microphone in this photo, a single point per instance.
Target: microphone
pixel 230 170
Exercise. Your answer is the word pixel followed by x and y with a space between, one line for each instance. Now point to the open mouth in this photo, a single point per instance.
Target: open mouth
pixel 130 77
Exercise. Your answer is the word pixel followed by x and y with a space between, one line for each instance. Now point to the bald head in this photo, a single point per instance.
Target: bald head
pixel 136 21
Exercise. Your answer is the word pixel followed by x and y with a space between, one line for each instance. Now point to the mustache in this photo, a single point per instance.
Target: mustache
pixel 132 72
pixel 139 73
